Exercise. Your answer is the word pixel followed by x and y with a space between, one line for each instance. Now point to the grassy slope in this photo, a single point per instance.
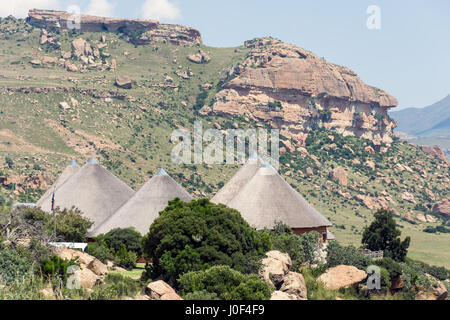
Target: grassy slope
pixel 132 138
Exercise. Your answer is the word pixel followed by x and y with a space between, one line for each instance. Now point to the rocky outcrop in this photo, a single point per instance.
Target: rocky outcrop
pixel 274 267
pixel 92 270
pixel 436 152
pixel 342 277
pixel 159 290
pixel 148 31
pixel 294 90
pixel 288 285
pixel 442 208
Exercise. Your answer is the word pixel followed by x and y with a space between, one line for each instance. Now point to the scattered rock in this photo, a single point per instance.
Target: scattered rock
pixel 124 82
pixel 35 62
pixel 370 164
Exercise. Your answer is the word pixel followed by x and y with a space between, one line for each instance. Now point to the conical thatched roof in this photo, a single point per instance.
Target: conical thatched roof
pixel 144 207
pixel 93 190
pixel 70 170
pixel 237 182
pixel 267 198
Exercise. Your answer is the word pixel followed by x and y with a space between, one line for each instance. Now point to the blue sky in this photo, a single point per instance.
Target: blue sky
pixel 409 56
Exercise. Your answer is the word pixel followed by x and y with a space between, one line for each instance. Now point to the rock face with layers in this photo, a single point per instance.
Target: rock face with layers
pixel 148 31
pixel 294 90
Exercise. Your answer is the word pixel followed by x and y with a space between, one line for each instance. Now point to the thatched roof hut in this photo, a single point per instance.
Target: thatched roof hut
pixel 93 190
pixel 144 207
pixel 267 198
pixel 69 171
pixel 238 181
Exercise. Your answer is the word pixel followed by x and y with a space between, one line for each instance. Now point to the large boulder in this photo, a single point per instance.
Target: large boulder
pixel 274 268
pixel 294 284
pixel 437 290
pixel 342 277
pixel 159 290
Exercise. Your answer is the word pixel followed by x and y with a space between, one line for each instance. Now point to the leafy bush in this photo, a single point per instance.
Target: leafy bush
pixel 338 254
pixel 13 266
pixel 71 225
pixel 128 237
pixel 55 266
pixel 393 268
pixel 383 235
pixel 225 283
pixel 100 251
pixel 301 249
pixel 126 259
pixel 197 235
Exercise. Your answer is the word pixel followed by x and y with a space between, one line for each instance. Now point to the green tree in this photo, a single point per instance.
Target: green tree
pixel 196 235
pixel 383 235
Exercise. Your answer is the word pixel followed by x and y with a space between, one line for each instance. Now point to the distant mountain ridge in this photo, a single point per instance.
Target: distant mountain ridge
pixel 431 121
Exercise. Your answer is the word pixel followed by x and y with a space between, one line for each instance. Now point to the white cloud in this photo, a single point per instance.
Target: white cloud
pixel 19 8
pixel 101 8
pixel 160 10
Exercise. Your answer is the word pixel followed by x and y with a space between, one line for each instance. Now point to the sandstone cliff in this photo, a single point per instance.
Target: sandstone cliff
pixel 294 90
pixel 144 31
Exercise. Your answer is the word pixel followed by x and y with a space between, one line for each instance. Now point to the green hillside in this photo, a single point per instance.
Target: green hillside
pixel 129 132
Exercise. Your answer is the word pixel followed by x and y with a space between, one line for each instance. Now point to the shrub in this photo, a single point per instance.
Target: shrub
pixel 55 266
pixel 196 235
pixel 301 249
pixel 225 283
pixel 128 237
pixel 13 266
pixel 393 268
pixel 100 251
pixel 338 254
pixel 126 259
pixel 71 225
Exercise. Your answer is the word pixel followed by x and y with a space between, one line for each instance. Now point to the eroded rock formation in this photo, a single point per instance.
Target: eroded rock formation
pixel 294 90
pixel 143 31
